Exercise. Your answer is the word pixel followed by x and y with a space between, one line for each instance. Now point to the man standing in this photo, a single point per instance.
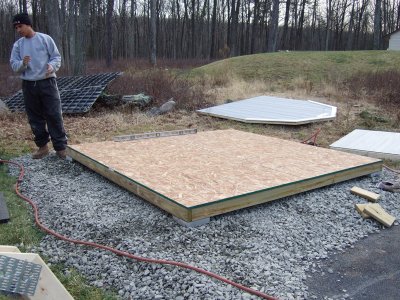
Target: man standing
pixel 35 56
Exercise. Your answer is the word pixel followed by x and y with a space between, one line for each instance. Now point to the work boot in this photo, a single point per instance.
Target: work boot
pixel 41 152
pixel 389 186
pixel 61 154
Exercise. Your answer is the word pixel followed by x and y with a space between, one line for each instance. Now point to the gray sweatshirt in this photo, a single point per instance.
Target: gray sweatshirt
pixel 42 50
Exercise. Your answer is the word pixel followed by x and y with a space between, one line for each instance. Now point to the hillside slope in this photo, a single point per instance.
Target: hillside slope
pixel 311 65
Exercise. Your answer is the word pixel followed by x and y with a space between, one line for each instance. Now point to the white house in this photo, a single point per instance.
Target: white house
pixel 394 40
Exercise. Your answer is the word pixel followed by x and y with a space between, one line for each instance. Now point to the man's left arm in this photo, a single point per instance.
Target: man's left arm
pixel 54 62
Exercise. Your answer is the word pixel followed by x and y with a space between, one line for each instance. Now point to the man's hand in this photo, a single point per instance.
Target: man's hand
pixel 49 70
pixel 26 60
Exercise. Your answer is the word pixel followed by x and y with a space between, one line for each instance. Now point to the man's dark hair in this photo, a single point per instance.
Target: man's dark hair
pixel 22 18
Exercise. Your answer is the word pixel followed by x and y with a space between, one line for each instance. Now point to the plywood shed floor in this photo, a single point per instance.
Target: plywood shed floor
pixel 200 175
pixel 378 144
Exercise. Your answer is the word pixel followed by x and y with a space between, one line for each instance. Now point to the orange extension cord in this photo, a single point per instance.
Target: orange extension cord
pixel 123 253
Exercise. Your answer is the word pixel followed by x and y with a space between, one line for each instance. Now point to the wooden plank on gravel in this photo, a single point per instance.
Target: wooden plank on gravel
pixel 378 213
pixel 370 196
pixel 360 207
pixel 4 215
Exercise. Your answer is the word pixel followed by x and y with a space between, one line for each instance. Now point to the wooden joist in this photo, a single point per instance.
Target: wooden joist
pixel 370 196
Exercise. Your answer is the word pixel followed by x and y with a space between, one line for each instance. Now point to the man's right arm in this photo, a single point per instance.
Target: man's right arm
pixel 16 61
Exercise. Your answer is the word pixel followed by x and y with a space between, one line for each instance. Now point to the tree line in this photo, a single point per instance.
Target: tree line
pixel 200 29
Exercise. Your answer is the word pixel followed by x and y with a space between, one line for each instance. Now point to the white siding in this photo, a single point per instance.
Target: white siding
pixel 394 41
pixel 273 110
pixel 379 144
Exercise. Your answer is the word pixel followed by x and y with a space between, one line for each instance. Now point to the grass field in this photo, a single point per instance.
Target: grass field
pixel 362 84
pixel 316 66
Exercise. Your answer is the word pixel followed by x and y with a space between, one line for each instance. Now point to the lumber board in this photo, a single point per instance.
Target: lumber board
pixel 379 214
pixel 49 287
pixel 205 174
pixel 150 135
pixel 4 248
pixel 360 207
pixel 370 196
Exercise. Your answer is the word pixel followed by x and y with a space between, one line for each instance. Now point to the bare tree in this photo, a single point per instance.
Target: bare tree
pixel 53 22
pixel 109 32
pixel 213 29
pixel 273 28
pixel 299 31
pixel 328 23
pixel 23 7
pixel 201 28
pixel 153 33
pixel 284 39
pixel 350 33
pixel 377 24
pixel 80 44
pixel 235 6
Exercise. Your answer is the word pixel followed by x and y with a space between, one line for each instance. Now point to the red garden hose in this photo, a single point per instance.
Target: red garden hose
pixel 123 253
pixel 312 140
pixel 390 169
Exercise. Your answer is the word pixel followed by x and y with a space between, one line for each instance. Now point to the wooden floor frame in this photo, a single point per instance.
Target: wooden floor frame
pixel 193 213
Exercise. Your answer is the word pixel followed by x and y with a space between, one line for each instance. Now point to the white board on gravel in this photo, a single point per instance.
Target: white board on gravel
pixel 378 144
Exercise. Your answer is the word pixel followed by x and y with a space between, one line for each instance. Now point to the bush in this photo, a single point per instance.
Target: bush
pixel 162 85
pixel 381 86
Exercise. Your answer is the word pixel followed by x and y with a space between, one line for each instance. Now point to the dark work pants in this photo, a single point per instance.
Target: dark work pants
pixel 43 107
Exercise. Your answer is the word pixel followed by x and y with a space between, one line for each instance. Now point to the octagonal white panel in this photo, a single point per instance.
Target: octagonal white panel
pixel 273 110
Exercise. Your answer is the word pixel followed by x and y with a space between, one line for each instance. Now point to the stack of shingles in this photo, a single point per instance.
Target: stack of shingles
pixel 374 210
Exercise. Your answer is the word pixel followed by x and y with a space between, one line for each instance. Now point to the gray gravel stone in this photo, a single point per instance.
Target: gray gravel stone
pixel 269 247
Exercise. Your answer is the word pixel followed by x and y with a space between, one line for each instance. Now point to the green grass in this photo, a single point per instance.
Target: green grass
pixel 78 287
pixel 20 230
pixel 316 66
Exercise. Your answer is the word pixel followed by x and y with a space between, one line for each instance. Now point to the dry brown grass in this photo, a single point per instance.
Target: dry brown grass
pixel 102 123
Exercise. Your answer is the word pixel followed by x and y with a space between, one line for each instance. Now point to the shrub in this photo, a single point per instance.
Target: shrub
pixel 162 85
pixel 381 86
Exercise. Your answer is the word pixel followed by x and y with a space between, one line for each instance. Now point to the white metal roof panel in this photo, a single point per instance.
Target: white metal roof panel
pixel 273 110
pixel 378 144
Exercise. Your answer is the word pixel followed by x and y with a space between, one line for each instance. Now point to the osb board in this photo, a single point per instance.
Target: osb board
pixel 208 168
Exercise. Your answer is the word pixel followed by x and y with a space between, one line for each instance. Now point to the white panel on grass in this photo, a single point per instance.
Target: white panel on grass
pixel 378 144
pixel 273 110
